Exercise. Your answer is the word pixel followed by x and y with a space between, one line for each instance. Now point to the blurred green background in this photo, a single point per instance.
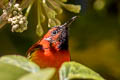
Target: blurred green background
pixel 94 36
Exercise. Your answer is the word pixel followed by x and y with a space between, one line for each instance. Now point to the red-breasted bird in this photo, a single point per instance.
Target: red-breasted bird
pixel 52 50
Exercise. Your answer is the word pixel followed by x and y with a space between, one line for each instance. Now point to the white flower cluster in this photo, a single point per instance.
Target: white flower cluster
pixel 17 20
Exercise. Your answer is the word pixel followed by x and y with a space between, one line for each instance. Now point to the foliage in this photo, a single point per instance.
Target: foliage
pixel 74 70
pixel 21 62
pixel 47 10
pixel 44 74
pixel 10 72
pixel 14 67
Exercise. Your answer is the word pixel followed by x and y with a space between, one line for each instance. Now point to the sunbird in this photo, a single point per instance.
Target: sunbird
pixel 52 50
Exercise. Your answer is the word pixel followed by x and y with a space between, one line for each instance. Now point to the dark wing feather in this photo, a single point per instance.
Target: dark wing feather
pixel 34 47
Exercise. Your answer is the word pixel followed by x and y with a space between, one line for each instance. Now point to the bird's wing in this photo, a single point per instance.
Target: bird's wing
pixel 33 48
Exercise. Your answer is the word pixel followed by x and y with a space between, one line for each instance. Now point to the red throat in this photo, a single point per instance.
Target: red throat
pixel 50 58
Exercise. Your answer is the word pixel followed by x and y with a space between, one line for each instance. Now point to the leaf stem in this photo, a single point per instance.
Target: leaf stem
pixel 38 12
pixel 29 8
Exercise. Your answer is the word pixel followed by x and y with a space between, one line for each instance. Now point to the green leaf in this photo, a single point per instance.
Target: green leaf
pixel 45 74
pixel 21 62
pixel 56 6
pixel 72 8
pixel 74 70
pixel 49 11
pixel 10 72
pixel 63 0
pixel 39 30
pixel 57 21
pixel 53 22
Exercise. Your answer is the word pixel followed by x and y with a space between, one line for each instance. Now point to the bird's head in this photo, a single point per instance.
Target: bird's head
pixel 58 36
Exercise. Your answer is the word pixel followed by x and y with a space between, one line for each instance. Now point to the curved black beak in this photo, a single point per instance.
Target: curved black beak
pixel 68 23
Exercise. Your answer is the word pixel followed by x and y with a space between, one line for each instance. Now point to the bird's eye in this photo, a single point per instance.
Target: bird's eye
pixel 54 32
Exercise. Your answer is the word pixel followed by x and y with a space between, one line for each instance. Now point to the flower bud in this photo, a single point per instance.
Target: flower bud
pixel 15 12
pixel 16 5
pixel 14 27
pixel 14 18
pixel 19 9
pixel 15 22
pixel 9 19
pixel 21 22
